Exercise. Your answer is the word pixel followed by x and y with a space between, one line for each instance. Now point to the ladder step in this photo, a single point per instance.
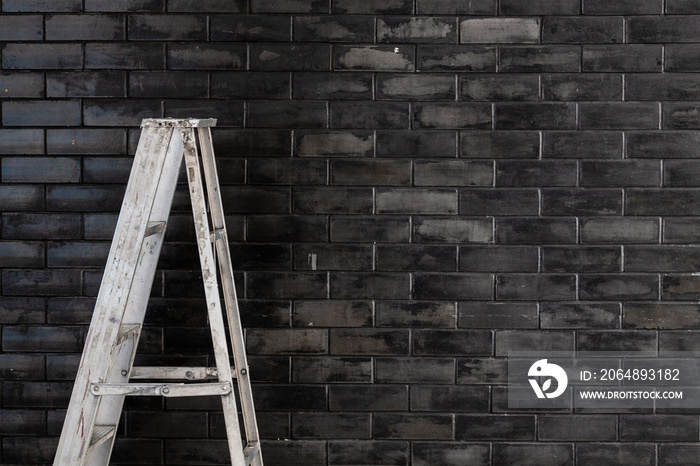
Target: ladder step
pixel 250 452
pixel 127 331
pixel 154 228
pixel 101 434
pixel 174 373
pixel 160 389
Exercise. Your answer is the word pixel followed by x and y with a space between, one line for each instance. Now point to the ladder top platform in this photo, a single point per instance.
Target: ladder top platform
pixel 175 122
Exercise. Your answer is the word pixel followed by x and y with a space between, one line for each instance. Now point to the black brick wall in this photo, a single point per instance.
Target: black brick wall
pixel 413 188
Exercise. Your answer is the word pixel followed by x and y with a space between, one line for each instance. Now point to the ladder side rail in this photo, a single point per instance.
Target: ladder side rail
pixel 229 289
pixel 113 296
pixel 110 407
pixel 211 289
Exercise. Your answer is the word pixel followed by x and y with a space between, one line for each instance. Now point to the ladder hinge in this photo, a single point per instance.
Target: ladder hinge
pixel 217 234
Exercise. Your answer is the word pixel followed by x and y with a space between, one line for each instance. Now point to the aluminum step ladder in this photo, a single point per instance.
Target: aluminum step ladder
pixel 105 375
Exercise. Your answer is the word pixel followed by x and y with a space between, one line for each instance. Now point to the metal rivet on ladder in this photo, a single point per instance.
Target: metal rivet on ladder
pixel 166 390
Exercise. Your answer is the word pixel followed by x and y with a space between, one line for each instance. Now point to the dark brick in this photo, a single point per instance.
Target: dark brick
pixel 481 371
pixel 41 5
pixel 498 202
pixel 368 397
pixel 451 116
pixel 497 315
pixel 206 56
pixel 500 30
pixel 333 257
pixel 374 58
pixel 41 113
pixel 452 230
pixel 453 173
pixel 540 173
pixel 536 287
pixel 25 450
pixel 545 58
pixel 582 144
pixel 285 285
pixel 125 56
pixel 22 366
pixel 489 427
pixel 450 454
pixel 331 425
pixel 583 315
pixel 500 144
pixel 86 84
pixel 227 113
pixel 577 428
pixel 581 259
pixel 679 287
pixel 21 28
pixel 582 29
pixel 38 56
pixel 84 198
pixel 591 454
pixel 450 398
pixel 416 201
pixel 334 143
pixel 373 6
pixel 209 6
pixel 21 84
pixel 86 141
pixel 533 454
pixel 680 116
pixel 455 58
pixel 619 116
pixel 415 86
pixel 677 454
pixel 331 370
pixel 616 230
pixel 618 287
pixel 22 198
pixel 332 200
pixel 536 230
pixel 417 30
pixel 250 28
pixel 525 340
pixel 173 84
pixel 452 342
pixel 525 116
pixel 453 286
pixel 499 87
pixel 413 426
pixel 627 173
pixel 294 6
pixel 323 86
pixel 124 5
pixel 22 254
pixel 661 259
pixel 568 87
pixel 370 229
pixel 370 115
pixel 680 230
pixel 333 29
pixel 431 258
pixel 373 342
pixel 287 114
pixel 662 202
pixel 22 311
pixel 287 171
pixel 645 428
pixel 85 27
pixel 415 314
pixel 682 58
pixel 622 58
pixel 40 169
pixel 415 370
pixel 347 452
pixel 36 395
pixel 369 285
pixel 679 7
pixel 661 29
pixel 498 259
pixel 239 85
pixel 683 340
pixel 667 144
pixel 283 57
pixel 625 7
pixel 372 172
pixel 672 87
pixel 539 7
pixel 581 202
pixel 40 282
pixel 660 316
pixel 167 27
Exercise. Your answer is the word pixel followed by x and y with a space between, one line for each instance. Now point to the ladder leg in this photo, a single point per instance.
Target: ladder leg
pixel 211 289
pixel 229 288
pixel 131 259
